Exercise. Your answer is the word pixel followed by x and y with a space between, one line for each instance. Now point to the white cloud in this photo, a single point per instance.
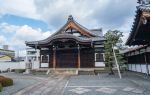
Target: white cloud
pixel 125 37
pixel 23 8
pixel 108 14
pixel 2 39
pixel 55 12
pixel 22 34
pixel 7 28
pixel 100 13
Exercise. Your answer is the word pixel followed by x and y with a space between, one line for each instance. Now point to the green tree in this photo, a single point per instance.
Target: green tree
pixel 112 39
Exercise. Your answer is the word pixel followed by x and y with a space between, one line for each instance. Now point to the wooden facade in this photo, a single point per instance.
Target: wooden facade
pixel 72 46
pixel 138 59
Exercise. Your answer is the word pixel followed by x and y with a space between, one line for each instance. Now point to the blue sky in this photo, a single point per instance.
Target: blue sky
pixel 20 21
pixel 11 23
pixel 28 20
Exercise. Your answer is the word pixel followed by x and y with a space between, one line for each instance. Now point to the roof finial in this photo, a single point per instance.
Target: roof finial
pixel 70 17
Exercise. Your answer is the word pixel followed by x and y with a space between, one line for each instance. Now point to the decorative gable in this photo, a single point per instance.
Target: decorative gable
pixel 72 27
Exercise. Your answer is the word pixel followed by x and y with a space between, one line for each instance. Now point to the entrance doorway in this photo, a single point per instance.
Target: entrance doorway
pixel 66 58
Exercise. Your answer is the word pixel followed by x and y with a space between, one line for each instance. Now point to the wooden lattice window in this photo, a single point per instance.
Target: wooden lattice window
pixel 44 58
pixel 99 57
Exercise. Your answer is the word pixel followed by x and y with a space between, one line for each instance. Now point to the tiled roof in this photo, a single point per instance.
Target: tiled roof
pixel 145 8
pixel 140 8
pixel 84 28
pixel 61 34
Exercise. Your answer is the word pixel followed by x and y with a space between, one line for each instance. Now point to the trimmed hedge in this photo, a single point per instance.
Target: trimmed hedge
pixel 1 87
pixel 6 81
pixel 19 70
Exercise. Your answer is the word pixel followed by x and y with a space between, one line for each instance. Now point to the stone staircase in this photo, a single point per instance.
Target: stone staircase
pixel 63 71
pixel 72 71
pixel 86 72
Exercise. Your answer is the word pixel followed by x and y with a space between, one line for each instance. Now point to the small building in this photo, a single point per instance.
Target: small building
pixel 6 54
pixel 72 46
pixel 31 54
pixel 138 59
pixel 5 58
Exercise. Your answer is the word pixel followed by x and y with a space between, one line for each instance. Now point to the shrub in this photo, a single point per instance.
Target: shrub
pixel 6 81
pixel 1 87
pixel 12 70
pixel 1 76
pixel 19 70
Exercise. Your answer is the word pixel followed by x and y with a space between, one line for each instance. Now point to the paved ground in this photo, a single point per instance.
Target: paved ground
pixel 35 84
pixel 20 82
pixel 53 85
pixel 104 84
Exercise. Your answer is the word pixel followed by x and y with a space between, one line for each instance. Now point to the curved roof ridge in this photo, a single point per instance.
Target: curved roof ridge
pixel 64 35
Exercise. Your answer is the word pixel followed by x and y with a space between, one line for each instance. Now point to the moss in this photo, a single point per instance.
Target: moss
pixel 19 70
pixel 1 87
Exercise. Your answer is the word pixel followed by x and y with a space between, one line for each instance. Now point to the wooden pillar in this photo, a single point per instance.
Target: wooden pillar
pixel 79 56
pixel 145 58
pixel 135 62
pixel 49 58
pixel 140 60
pixel 127 61
pixel 36 53
pixel 26 55
pixel 54 57
pixel 40 59
pixel 131 61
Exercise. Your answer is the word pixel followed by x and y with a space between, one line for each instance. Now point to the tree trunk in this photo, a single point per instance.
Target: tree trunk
pixel 111 70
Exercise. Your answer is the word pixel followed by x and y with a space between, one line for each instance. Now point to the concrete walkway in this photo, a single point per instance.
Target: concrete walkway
pixel 53 85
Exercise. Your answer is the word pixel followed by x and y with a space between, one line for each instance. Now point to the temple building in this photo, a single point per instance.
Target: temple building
pixel 72 46
pixel 138 59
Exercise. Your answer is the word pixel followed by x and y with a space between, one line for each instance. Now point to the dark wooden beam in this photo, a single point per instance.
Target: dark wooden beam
pixel 145 58
pixel 40 61
pixel 79 56
pixel 54 57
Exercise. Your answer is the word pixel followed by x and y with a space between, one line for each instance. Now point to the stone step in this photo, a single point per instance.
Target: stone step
pixel 86 72
pixel 64 71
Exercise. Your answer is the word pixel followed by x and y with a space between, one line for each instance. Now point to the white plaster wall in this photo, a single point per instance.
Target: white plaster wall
pixel 12 65
pixel 35 65
pixel 44 65
pixel 17 65
pixel 133 67
pixel 99 64
pixel 138 68
pixel 129 66
pixel 149 68
pixel 143 68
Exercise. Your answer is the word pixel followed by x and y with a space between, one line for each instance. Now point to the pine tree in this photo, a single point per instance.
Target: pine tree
pixel 112 38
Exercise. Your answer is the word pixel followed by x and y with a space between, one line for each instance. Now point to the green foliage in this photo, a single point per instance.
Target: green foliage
pixel 19 70
pixel 121 59
pixel 6 81
pixel 1 87
pixel 112 39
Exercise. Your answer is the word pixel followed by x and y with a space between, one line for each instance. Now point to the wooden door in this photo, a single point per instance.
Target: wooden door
pixel 66 59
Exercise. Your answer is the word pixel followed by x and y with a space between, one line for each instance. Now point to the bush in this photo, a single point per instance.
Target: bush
pixel 19 70
pixel 6 81
pixel 1 87
pixel 12 70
